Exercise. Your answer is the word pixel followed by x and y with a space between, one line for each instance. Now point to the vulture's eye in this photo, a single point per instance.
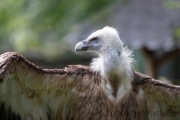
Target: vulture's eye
pixel 94 38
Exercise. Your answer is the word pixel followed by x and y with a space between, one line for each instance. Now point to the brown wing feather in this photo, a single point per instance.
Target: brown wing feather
pixel 163 99
pixel 34 93
pixel 155 87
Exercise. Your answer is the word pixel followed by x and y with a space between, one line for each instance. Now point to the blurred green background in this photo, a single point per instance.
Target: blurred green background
pixel 46 31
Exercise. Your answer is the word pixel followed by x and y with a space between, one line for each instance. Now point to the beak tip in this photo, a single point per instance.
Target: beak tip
pixel 78 47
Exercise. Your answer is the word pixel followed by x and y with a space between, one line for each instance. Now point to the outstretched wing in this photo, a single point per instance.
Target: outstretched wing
pixel 163 99
pixel 29 92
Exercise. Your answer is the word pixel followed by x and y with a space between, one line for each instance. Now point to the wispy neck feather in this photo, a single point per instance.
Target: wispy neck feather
pixel 123 63
pixel 113 66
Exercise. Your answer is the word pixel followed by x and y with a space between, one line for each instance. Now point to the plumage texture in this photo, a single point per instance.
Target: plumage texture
pixel 108 89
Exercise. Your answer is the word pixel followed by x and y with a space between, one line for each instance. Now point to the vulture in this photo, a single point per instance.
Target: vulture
pixel 107 89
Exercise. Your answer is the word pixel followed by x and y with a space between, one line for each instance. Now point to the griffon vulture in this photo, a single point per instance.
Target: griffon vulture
pixel 108 89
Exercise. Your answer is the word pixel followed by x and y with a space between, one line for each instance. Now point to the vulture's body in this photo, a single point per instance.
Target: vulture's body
pixel 108 89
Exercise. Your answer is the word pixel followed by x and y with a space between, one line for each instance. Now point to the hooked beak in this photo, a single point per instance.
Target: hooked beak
pixel 81 46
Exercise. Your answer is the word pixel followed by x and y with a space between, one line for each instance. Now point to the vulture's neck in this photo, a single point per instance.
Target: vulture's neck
pixel 116 70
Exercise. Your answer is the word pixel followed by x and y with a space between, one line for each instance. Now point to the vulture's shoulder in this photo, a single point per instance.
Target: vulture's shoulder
pixel 141 79
pixel 149 84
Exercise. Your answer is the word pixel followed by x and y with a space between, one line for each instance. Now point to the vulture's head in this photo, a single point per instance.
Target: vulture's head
pixel 102 41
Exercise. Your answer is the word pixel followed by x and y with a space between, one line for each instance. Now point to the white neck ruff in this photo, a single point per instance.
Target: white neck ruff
pixel 112 65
